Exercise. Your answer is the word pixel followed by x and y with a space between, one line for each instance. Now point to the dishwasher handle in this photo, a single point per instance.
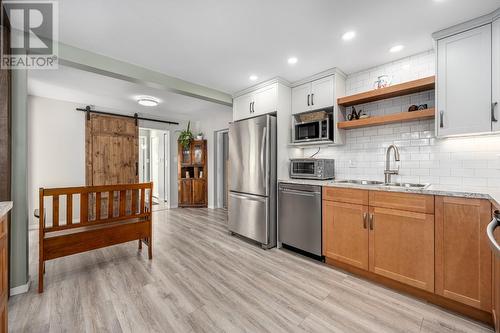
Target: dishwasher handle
pixel 490 232
pixel 299 192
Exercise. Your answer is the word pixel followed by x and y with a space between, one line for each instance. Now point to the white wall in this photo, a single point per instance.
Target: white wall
pixel 424 158
pixel 56 147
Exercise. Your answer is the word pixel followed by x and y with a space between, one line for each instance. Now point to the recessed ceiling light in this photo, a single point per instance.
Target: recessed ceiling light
pixel 292 60
pixel 253 77
pixel 349 35
pixel 396 48
pixel 148 101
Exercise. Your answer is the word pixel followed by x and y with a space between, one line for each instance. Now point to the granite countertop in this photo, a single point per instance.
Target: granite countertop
pixel 491 194
pixel 5 206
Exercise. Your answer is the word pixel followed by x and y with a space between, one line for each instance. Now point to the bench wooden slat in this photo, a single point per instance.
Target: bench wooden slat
pixel 123 202
pixel 84 209
pixel 134 201
pixel 143 201
pixel 55 210
pixel 69 209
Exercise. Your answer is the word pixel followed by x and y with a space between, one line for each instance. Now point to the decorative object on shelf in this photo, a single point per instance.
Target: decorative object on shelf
pixel 416 108
pixel 186 136
pixel 187 175
pixel 199 136
pixel 311 116
pixel 201 174
pixel 356 115
pixel 388 119
pixel 382 81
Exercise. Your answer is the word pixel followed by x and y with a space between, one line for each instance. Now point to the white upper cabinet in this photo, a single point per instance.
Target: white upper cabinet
pixel 495 100
pixel 301 98
pixel 322 93
pixel 313 95
pixel 464 82
pixel 242 107
pixel 255 103
pixel 265 100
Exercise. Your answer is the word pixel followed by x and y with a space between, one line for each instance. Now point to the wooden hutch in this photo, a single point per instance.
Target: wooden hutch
pixel 192 174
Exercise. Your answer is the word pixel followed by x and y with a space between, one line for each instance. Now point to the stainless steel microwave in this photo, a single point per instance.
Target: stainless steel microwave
pixel 312 168
pixel 315 130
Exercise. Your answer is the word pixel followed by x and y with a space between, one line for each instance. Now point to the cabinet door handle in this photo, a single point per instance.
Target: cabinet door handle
pixel 312 99
pixel 308 100
pixel 250 107
pixel 371 221
pixel 493 106
pixel 365 215
pixel 441 120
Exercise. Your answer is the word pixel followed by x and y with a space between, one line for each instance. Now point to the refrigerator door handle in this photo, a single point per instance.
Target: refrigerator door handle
pixel 263 149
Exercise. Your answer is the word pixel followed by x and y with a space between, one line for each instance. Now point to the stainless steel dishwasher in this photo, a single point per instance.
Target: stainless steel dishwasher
pixel 299 216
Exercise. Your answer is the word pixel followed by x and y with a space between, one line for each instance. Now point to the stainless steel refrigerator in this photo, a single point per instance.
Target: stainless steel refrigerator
pixel 252 179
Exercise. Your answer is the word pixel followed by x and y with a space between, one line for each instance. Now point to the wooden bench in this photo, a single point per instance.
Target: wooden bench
pixel 102 222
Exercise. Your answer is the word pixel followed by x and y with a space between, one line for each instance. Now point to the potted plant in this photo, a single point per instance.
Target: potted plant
pixel 199 136
pixel 186 136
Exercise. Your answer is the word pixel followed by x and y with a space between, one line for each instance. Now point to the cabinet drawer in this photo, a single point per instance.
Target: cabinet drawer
pixel 419 203
pixel 347 195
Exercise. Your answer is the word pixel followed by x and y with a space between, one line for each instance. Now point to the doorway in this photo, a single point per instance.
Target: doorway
pixel 154 162
pixel 222 167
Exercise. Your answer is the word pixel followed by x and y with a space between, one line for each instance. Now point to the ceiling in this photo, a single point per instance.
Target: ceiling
pixel 220 43
pixel 109 94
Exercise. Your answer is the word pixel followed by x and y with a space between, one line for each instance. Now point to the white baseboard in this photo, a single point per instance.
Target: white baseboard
pixel 20 289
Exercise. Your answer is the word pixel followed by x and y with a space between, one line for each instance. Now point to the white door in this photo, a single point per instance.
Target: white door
pixel 265 100
pixel 496 75
pixel 242 107
pixel 464 82
pixel 301 98
pixel 322 93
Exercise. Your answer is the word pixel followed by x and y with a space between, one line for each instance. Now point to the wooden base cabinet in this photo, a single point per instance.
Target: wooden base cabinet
pixel 402 246
pixel 4 273
pixel 345 227
pixel 393 243
pixel 463 256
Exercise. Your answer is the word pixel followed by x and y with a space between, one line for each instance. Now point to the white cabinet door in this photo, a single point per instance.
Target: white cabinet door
pixel 242 107
pixel 495 75
pixel 464 82
pixel 322 93
pixel 265 100
pixel 301 98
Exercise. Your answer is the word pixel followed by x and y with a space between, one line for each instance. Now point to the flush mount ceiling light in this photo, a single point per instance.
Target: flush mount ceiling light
pixel 396 48
pixel 349 35
pixel 148 101
pixel 292 60
pixel 253 77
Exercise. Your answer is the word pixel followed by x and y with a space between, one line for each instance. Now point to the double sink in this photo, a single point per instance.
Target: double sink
pixel 379 183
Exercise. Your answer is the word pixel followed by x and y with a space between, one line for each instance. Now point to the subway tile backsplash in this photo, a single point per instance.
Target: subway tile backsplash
pixel 466 161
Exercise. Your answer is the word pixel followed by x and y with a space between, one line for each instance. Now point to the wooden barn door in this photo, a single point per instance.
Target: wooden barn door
pixel 112 156
pixel 112 149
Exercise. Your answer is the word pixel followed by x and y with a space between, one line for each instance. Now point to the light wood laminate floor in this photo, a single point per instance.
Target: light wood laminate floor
pixel 203 280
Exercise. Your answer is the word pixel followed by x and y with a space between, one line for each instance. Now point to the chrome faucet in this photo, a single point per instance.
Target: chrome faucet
pixel 388 172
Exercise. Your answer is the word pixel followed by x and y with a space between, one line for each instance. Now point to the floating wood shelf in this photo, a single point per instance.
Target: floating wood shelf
pixel 396 90
pixel 387 119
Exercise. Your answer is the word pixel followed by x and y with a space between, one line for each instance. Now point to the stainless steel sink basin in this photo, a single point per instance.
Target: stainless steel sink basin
pixel 359 182
pixel 407 185
pixel 379 183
